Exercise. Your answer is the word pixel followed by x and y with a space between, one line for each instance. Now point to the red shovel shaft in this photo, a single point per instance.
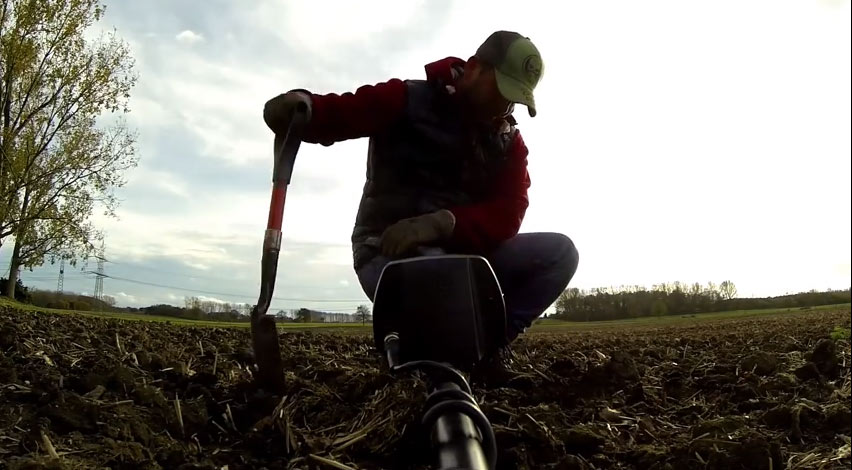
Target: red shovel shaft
pixel 276 207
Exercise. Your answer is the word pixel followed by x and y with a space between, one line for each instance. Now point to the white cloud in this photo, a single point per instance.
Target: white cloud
pixel 189 37
pixel 125 298
pixel 341 255
pixel 319 26
pixel 204 298
pixel 170 183
pixel 199 266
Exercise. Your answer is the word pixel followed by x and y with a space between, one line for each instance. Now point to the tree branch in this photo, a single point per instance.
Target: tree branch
pixel 38 74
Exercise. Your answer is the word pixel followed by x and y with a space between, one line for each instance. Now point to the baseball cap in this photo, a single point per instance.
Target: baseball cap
pixel 517 66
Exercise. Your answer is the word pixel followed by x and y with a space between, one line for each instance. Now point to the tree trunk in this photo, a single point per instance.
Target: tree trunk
pixel 14 264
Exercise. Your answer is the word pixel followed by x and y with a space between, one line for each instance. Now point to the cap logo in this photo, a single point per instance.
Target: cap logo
pixel 532 67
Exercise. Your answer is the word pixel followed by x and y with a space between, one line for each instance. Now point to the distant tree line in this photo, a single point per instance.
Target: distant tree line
pixel 198 309
pixel 604 303
pixel 304 315
pixel 71 301
pixel 194 308
pixel 611 303
pixel 58 300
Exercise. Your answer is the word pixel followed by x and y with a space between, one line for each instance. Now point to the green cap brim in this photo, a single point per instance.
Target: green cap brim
pixel 515 91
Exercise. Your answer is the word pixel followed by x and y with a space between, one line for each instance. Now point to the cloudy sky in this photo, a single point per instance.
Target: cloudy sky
pixel 691 141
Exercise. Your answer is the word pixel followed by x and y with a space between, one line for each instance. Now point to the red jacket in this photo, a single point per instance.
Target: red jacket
pixel 480 227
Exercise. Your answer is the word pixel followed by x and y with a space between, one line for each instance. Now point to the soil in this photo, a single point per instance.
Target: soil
pixel 757 393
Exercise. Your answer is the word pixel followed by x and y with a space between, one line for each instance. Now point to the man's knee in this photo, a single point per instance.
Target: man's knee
pixel 563 253
pixel 368 276
pixel 569 257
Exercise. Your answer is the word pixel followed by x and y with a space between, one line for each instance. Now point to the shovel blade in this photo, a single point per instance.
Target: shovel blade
pixel 267 353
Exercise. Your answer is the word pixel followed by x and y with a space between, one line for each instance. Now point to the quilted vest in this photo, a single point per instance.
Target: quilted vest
pixel 426 161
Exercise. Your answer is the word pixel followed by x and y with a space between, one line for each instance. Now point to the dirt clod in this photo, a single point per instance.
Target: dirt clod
pixel 37 463
pixel 144 358
pixel 622 367
pixel 719 427
pixel 647 456
pixel 148 396
pixel 838 416
pixel 8 375
pixel 808 371
pixel 563 367
pixel 8 336
pixel 756 453
pixel 779 417
pixel 73 415
pixel 824 356
pixel 571 462
pixel 761 363
pixel 120 379
pixel 581 439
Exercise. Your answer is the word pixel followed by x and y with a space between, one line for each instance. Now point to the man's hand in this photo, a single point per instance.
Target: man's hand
pixel 279 110
pixel 409 233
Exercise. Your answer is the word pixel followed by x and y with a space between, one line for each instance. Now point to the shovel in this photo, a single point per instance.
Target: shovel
pixel 264 334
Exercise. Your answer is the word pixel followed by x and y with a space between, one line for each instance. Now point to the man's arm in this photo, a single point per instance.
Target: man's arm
pixel 369 110
pixel 481 227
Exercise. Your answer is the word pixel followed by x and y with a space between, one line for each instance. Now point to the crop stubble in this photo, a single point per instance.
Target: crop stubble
pixel 757 393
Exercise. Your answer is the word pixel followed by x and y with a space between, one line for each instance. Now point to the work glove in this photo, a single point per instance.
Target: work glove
pixel 278 111
pixel 409 233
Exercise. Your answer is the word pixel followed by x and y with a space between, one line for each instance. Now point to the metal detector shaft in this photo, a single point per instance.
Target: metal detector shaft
pixel 455 435
pixel 461 436
pixel 263 331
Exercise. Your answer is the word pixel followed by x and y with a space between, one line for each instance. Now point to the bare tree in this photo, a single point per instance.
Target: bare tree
pixel 728 290
pixel 362 313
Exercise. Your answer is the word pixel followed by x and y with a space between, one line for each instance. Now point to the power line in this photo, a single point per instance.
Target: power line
pixel 188 289
pixel 42 277
pixel 100 275
pixel 223 294
pixel 212 278
pixel 102 259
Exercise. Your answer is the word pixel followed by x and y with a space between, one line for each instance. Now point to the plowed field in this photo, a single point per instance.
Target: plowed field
pixel 767 392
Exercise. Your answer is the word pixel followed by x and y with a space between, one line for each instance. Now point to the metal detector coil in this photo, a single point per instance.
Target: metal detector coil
pixel 446 308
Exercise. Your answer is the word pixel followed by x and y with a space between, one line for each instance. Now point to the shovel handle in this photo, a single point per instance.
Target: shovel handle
pixel 285 148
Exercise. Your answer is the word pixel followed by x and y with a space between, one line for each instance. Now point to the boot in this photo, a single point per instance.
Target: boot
pixel 496 370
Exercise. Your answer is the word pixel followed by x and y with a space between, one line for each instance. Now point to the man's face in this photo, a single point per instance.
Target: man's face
pixel 479 89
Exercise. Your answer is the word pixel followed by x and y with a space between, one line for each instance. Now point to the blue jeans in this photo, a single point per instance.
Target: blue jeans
pixel 533 270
